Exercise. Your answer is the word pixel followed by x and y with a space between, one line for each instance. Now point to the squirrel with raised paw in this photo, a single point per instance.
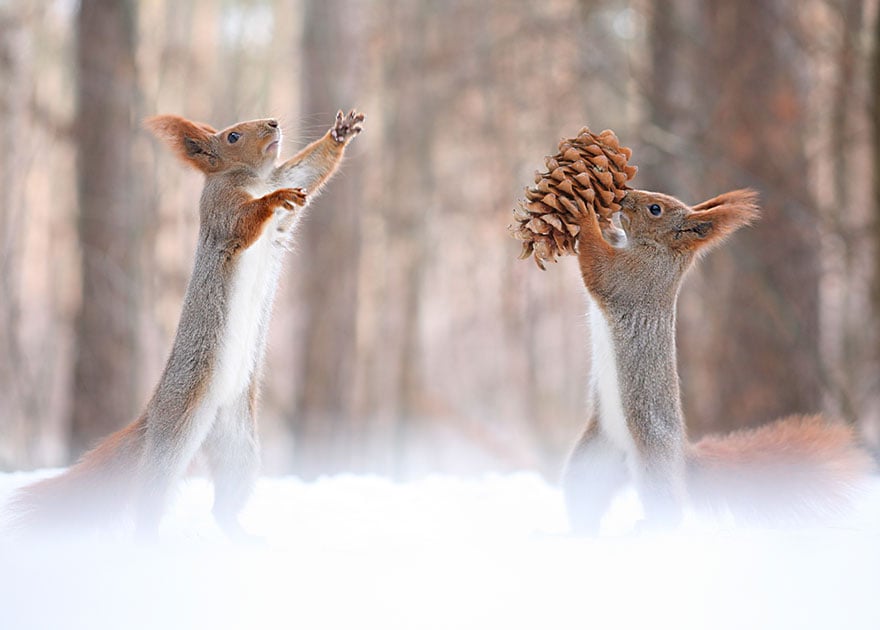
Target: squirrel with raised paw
pixel 206 397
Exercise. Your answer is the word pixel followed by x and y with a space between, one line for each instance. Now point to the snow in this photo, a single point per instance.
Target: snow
pixel 443 553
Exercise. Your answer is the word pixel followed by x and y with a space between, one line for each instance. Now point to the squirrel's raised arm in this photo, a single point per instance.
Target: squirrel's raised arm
pixel 314 165
pixel 595 255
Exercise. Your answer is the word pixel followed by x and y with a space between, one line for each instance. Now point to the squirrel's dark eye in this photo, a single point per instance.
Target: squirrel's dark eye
pixel 233 137
pixel 655 209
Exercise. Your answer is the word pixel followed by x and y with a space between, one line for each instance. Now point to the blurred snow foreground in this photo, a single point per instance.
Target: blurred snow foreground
pixel 444 553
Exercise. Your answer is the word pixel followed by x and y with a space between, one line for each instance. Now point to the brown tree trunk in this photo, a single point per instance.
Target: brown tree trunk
pixel 846 378
pixel 328 251
pixel 106 342
pixel 763 287
pixel 663 85
pixel 411 190
pixel 875 223
pixel 15 384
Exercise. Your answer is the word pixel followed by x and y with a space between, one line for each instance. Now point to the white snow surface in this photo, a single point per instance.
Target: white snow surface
pixel 442 553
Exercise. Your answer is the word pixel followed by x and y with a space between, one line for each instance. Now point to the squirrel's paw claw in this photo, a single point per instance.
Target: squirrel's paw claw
pixel 289 198
pixel 347 126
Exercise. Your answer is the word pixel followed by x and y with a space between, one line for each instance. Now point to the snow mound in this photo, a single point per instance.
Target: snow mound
pixel 443 553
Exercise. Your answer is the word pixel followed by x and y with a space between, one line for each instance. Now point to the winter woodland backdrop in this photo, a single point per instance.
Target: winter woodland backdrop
pixel 407 337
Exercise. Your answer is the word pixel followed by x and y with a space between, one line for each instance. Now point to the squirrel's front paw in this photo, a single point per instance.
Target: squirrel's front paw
pixel 347 127
pixel 287 198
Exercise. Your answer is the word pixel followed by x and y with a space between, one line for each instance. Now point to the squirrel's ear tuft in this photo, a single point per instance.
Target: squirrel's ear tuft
pixel 746 199
pixel 192 142
pixel 715 219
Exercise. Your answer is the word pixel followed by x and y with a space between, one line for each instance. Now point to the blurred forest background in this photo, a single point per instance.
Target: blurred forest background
pixel 407 338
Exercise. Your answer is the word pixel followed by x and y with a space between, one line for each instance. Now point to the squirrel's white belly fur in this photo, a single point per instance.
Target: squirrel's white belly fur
pixel 249 306
pixel 605 384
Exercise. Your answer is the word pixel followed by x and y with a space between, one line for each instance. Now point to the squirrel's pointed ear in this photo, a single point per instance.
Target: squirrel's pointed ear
pixel 715 219
pixel 192 142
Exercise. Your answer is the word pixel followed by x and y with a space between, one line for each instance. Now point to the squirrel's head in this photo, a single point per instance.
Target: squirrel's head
pixel 253 144
pixel 663 222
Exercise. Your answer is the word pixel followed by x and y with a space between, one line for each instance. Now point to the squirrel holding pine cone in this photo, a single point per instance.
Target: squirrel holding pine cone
pixel 791 469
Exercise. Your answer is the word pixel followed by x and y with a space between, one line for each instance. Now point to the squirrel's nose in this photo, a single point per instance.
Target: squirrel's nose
pixel 272 123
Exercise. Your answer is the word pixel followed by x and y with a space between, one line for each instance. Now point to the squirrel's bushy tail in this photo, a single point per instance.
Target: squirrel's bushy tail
pixel 783 472
pixel 88 494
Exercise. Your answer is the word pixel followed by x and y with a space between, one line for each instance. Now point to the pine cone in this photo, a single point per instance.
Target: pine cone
pixel 589 173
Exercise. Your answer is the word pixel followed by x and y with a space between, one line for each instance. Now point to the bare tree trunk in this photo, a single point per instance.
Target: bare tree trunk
pixel 663 85
pixel 846 379
pixel 328 251
pixel 411 187
pixel 14 387
pixel 106 342
pixel 875 223
pixel 765 358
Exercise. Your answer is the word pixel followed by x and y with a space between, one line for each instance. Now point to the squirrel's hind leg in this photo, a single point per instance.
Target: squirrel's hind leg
pixel 660 483
pixel 233 453
pixel 171 444
pixel 596 470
